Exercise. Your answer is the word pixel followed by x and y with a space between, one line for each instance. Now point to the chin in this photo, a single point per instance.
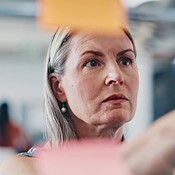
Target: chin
pixel 121 117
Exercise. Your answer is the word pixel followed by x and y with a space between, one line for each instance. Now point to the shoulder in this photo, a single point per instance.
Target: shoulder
pixel 23 163
pixel 18 165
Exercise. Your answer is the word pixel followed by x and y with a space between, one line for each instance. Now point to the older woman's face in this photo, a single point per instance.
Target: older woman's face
pixel 100 83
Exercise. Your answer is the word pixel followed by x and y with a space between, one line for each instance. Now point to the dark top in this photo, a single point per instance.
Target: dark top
pixel 29 153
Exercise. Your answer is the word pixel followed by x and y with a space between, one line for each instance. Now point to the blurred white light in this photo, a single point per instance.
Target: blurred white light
pixel 173 61
pixel 133 3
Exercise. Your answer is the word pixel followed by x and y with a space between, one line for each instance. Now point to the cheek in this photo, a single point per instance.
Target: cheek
pixel 137 82
pixel 81 96
pixel 84 88
pixel 134 86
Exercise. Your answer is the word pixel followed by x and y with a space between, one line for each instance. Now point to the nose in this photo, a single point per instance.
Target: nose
pixel 114 76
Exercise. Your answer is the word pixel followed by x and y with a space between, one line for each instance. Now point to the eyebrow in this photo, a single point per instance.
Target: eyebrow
pixel 92 52
pixel 96 53
pixel 124 51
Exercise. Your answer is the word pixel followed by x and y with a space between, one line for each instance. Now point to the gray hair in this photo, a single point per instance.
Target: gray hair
pixel 58 126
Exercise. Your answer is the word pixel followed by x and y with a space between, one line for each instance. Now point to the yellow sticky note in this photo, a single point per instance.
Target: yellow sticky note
pixel 97 15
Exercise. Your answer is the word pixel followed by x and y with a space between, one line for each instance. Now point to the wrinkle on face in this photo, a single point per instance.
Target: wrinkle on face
pixel 85 88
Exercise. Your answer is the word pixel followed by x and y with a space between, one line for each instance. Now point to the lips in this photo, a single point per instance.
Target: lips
pixel 116 97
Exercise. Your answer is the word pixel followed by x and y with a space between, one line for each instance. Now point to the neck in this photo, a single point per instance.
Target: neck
pixel 84 130
pixel 97 132
pixel 119 134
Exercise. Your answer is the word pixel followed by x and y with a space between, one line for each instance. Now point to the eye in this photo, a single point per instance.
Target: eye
pixel 125 61
pixel 92 63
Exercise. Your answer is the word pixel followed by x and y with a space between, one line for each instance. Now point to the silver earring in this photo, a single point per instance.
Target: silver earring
pixel 63 108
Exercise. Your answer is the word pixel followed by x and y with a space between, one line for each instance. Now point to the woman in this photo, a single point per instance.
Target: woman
pixel 91 87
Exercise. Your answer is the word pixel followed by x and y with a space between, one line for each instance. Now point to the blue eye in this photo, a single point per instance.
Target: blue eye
pixel 92 63
pixel 125 61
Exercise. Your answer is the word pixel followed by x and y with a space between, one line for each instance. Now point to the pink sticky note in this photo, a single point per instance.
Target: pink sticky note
pixel 88 157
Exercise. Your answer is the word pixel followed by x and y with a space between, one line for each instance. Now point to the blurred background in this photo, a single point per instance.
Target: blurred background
pixel 23 47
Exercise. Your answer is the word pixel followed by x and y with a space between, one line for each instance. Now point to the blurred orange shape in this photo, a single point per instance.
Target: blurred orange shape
pixel 96 15
pixel 89 157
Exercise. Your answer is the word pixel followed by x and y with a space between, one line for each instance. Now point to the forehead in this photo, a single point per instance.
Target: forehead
pixel 84 40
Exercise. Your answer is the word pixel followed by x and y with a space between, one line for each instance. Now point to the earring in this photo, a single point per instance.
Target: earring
pixel 63 108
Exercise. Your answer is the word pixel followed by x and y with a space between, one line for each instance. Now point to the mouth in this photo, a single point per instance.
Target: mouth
pixel 116 99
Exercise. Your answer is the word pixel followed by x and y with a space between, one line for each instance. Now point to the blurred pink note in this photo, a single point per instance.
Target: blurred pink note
pixel 87 157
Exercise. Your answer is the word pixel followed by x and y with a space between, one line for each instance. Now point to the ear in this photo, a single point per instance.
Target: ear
pixel 57 88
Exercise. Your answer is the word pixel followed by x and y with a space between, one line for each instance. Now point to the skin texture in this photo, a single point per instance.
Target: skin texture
pixel 18 166
pixel 99 67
